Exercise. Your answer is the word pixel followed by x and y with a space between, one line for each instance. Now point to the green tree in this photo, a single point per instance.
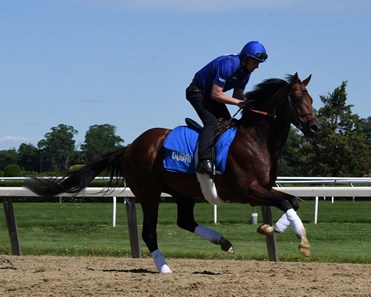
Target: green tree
pixel 289 158
pixel 365 128
pixel 57 149
pixel 78 158
pixel 28 157
pixel 99 139
pixel 340 149
pixel 12 170
pixel 7 157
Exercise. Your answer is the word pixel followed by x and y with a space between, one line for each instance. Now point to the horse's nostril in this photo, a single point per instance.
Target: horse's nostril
pixel 315 128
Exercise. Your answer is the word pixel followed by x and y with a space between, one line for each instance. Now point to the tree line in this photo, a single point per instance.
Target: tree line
pixel 57 151
pixel 341 149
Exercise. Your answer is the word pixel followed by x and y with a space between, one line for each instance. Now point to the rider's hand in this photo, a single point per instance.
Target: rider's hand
pixel 245 104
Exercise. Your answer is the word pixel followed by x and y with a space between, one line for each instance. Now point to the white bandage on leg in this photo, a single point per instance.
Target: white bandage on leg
pixel 160 262
pixel 282 224
pixel 296 223
pixel 208 234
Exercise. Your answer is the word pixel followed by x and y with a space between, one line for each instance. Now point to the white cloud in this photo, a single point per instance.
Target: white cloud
pixel 227 6
pixel 10 142
pixel 13 139
pixel 199 5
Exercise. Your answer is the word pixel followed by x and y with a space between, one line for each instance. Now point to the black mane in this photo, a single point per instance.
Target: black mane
pixel 262 92
pixel 260 95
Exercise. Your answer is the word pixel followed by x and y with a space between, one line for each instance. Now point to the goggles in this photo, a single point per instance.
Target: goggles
pixel 260 56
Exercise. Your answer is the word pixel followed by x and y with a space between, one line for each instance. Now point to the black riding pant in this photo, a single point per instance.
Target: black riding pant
pixel 209 111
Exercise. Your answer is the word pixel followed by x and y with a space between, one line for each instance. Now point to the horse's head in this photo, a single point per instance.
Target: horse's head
pixel 299 108
pixel 284 101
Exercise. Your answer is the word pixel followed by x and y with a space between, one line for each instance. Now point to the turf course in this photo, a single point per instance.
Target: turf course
pixel 343 232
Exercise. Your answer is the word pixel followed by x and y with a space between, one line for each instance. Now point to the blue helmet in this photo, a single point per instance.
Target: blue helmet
pixel 255 50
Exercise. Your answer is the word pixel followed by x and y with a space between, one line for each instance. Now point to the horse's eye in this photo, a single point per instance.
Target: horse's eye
pixel 296 99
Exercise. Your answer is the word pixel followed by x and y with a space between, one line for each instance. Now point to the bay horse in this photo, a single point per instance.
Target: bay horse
pixel 250 171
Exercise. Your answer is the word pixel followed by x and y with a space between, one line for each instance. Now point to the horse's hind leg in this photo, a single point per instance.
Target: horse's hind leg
pixel 149 233
pixel 150 200
pixel 187 222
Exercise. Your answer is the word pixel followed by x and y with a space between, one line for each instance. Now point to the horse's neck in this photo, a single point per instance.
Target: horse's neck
pixel 275 133
pixel 277 130
pixel 279 136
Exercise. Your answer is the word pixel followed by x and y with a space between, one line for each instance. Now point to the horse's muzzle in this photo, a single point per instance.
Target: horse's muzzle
pixel 315 129
pixel 312 129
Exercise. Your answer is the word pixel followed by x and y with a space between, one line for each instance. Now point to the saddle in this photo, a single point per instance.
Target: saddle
pixel 181 145
pixel 180 148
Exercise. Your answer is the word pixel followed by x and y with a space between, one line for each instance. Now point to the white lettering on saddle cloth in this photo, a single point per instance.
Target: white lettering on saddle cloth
pixel 181 157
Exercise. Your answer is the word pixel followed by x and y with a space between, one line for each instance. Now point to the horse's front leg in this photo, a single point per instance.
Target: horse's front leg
pixel 187 222
pixel 288 204
pixel 297 227
pixel 290 217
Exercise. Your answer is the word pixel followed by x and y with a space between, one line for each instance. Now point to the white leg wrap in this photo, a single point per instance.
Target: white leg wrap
pixel 208 234
pixel 296 223
pixel 160 262
pixel 282 224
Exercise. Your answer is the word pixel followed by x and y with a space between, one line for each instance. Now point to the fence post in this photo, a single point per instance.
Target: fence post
pixel 133 227
pixel 114 210
pixel 316 210
pixel 270 239
pixel 12 226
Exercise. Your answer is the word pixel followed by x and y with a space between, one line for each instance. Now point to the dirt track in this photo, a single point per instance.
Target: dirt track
pixel 91 276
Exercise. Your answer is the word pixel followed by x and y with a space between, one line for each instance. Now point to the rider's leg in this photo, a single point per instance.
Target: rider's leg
pixel 203 106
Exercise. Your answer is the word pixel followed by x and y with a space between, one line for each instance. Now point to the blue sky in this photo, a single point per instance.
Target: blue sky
pixel 127 63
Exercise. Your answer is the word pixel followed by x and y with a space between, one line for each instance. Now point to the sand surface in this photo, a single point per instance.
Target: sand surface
pixel 100 276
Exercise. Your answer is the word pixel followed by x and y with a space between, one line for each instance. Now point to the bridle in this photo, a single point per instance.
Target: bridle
pixel 297 123
pixel 296 116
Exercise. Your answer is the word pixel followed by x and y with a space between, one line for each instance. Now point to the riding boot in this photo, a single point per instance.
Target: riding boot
pixel 206 166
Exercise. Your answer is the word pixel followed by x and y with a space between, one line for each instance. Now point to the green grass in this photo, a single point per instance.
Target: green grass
pixel 343 232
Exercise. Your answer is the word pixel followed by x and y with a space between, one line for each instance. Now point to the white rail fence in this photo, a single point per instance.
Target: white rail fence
pixel 316 187
pixel 319 187
pixel 7 193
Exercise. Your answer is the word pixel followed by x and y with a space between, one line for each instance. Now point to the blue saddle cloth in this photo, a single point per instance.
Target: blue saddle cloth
pixel 180 148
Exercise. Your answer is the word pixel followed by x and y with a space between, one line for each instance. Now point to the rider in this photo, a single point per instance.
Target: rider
pixel 206 94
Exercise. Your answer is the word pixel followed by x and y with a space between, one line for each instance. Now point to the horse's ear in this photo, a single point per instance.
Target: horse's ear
pixel 306 81
pixel 294 78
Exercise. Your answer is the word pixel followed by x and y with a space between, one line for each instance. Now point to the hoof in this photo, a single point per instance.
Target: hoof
pixel 304 247
pixel 226 245
pixel 265 229
pixel 165 269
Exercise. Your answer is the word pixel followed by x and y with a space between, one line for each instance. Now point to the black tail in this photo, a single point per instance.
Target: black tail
pixel 76 180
